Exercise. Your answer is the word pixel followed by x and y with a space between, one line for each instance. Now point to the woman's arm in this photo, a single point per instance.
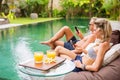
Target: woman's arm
pixel 85 51
pixel 99 59
pixel 63 51
pixel 79 49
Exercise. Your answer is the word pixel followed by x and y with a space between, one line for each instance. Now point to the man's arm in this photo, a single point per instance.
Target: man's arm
pixel 79 33
pixel 90 38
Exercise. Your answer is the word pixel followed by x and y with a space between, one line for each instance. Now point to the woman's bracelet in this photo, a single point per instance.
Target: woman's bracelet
pixel 83 67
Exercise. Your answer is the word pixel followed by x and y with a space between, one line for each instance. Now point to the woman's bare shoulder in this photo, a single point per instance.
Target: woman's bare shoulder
pixel 105 45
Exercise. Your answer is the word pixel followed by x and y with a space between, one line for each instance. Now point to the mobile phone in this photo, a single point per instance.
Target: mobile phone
pixel 76 29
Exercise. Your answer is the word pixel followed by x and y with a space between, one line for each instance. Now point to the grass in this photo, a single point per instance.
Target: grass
pixel 30 21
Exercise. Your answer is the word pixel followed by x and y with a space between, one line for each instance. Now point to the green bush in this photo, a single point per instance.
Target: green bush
pixel 56 13
pixel 34 6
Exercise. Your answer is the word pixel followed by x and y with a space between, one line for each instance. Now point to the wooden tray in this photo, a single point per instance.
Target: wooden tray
pixel 42 66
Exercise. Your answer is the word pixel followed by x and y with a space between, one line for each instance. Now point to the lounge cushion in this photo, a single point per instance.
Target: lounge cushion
pixel 111 54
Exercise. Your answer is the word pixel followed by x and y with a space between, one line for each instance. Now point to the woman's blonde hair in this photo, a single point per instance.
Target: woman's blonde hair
pixel 105 26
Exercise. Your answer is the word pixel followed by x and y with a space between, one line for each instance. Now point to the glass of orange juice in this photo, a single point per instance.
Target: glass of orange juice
pixel 38 57
pixel 51 54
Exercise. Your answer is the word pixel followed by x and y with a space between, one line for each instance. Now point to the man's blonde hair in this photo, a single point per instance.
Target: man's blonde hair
pixel 93 19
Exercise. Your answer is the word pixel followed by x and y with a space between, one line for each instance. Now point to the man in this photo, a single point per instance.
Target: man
pixel 72 42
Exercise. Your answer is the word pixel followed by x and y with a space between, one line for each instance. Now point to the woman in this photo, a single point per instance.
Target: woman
pixel 93 58
pixel 71 40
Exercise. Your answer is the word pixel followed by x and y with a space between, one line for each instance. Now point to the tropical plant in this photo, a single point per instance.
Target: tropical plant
pixel 10 15
pixel 69 6
pixel 96 8
pixel 43 14
pixel 0 5
pixel 56 13
pixel 34 6
pixel 112 8
pixel 84 8
pixel 4 7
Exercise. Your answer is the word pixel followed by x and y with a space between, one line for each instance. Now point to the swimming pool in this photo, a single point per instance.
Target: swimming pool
pixel 17 44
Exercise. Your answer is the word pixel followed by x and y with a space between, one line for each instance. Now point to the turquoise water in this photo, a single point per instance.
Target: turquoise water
pixel 17 44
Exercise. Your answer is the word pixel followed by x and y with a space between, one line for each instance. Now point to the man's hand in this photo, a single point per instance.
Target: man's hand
pixel 79 33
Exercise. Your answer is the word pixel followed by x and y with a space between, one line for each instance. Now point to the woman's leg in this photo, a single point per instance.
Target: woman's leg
pixel 63 51
pixel 63 31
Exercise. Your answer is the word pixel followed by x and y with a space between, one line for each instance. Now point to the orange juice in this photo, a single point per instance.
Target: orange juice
pixel 38 57
pixel 51 54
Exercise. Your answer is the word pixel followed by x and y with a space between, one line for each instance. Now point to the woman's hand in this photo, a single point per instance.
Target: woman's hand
pixel 78 63
pixel 78 49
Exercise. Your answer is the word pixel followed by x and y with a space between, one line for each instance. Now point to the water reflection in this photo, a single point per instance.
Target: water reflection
pixel 22 50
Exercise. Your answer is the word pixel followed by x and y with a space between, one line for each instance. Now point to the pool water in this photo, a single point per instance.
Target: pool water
pixel 17 44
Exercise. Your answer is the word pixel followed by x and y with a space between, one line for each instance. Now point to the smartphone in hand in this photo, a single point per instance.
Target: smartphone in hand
pixel 76 29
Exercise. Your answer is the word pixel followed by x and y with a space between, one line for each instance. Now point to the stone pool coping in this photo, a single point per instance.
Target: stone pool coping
pixel 4 26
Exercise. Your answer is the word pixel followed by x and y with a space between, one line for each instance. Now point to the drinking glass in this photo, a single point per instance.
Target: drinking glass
pixel 51 54
pixel 38 57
